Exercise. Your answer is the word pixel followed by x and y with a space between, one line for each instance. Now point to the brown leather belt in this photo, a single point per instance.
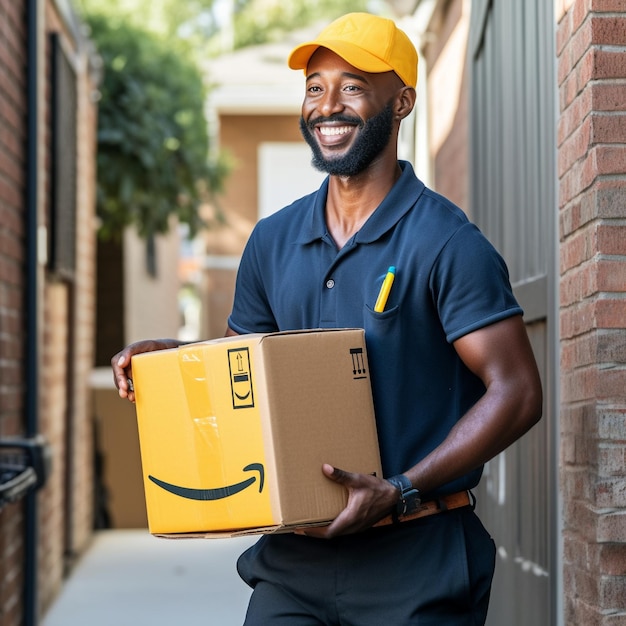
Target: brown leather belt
pixel 432 507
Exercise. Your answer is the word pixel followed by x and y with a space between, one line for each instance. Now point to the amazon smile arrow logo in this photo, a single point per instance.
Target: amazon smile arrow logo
pixel 219 492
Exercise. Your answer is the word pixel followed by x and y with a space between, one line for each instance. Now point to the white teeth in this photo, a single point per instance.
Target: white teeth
pixel 334 130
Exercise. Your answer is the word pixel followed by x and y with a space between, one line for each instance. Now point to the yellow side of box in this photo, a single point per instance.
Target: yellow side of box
pixel 193 403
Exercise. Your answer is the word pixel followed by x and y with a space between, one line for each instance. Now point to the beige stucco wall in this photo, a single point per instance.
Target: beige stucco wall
pixel 151 307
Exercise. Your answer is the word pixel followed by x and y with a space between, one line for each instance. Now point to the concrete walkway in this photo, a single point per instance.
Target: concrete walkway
pixel 130 578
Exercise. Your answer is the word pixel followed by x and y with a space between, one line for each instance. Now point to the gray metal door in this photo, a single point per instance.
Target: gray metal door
pixel 513 199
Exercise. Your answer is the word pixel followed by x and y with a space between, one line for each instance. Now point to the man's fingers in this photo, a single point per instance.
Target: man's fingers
pixel 334 473
pixel 120 364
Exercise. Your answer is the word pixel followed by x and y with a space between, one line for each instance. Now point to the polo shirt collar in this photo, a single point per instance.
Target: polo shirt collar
pixel 398 201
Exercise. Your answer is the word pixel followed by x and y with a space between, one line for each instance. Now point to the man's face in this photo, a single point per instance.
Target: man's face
pixel 347 114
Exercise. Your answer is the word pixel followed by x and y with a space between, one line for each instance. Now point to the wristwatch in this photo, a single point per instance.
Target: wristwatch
pixel 409 499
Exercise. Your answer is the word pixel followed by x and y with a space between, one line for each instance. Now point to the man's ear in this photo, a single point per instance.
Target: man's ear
pixel 405 101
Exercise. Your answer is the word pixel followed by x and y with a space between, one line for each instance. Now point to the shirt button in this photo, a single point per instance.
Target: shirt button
pixel 330 283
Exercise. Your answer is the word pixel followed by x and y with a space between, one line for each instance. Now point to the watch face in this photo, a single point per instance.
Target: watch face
pixel 411 501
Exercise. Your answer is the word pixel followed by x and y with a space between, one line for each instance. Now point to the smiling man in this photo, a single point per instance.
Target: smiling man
pixel 453 375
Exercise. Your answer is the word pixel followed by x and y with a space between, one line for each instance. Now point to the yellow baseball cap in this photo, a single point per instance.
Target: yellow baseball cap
pixel 368 42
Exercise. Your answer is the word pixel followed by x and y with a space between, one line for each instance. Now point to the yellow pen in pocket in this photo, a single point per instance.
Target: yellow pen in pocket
pixel 385 288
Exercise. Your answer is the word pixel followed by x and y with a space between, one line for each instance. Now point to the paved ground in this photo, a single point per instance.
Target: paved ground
pixel 130 578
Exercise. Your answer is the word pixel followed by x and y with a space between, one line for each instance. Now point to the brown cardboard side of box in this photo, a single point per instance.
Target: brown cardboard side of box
pixel 321 412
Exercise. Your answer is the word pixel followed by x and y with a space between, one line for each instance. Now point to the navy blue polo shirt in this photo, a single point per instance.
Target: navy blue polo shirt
pixel 449 282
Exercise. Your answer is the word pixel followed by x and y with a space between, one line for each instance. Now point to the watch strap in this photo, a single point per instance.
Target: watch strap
pixel 409 499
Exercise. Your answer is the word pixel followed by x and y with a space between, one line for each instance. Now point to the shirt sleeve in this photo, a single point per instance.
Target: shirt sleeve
pixel 470 284
pixel 251 311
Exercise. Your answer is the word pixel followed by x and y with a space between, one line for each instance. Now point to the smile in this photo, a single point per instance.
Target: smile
pixel 334 130
pixel 217 493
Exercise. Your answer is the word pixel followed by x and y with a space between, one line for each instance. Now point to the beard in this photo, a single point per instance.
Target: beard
pixel 372 140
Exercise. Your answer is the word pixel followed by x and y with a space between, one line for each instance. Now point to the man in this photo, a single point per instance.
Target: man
pixel 453 375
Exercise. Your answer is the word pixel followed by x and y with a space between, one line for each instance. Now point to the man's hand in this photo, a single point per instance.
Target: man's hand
pixel 121 363
pixel 369 500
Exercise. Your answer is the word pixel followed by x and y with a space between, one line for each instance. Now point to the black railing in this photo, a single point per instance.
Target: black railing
pixel 24 467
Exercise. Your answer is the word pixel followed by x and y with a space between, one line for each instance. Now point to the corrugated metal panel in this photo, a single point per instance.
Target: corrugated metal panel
pixel 513 199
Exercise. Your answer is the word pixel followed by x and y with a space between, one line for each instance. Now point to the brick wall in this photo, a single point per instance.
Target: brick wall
pixel 67 353
pixel 591 139
pixel 66 313
pixel 12 156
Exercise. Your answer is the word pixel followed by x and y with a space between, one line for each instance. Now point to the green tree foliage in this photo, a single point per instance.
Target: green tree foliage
pixel 260 21
pixel 184 24
pixel 152 133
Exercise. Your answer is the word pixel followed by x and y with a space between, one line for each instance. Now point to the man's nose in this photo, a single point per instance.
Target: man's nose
pixel 330 103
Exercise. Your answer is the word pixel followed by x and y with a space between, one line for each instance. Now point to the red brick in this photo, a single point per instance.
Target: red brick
pixel 579 12
pixel 575 147
pixel 607 6
pixel 610 493
pixel 611 276
pixel 611 348
pixel 612 527
pixel 613 592
pixel 579 247
pixel 611 238
pixel 608 31
pixel 568 90
pixel 578 284
pixel 572 117
pixel 581 317
pixel 580 43
pixel 564 65
pixel 578 352
pixel 613 560
pixel 571 184
pixel 609 199
pixel 574 550
pixel 580 613
pixel 576 320
pixel 577 493
pixel 575 418
pixel 570 219
pixel 608 128
pixel 600 160
pixel 580 385
pixel 586 587
pixel 608 96
pixel 563 33
pixel 611 313
pixel 609 159
pixel 608 64
pixel 611 460
pixel 612 425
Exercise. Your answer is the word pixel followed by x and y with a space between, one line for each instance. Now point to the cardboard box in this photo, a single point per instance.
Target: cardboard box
pixel 234 432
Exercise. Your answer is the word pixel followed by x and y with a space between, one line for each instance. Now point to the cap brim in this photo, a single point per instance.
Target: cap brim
pixel 359 58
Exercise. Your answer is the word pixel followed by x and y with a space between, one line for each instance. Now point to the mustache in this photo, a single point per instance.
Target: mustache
pixel 338 117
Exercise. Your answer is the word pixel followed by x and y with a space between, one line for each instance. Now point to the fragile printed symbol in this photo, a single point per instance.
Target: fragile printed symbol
pixel 216 493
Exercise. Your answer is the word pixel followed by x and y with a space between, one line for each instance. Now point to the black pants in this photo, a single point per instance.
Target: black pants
pixel 432 571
